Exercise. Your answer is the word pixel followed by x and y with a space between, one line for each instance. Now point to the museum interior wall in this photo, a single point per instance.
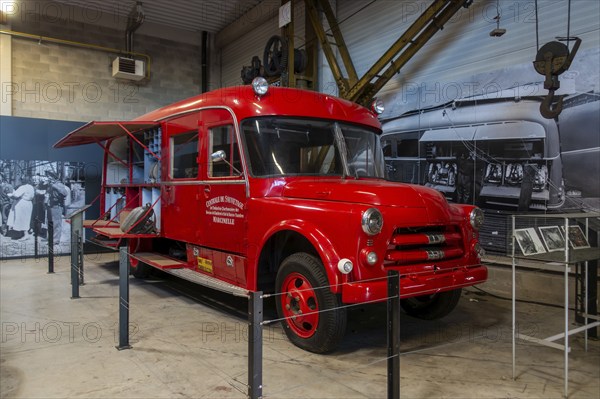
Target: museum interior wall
pixel 65 82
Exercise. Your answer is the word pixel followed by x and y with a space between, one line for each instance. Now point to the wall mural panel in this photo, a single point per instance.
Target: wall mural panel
pixel 491 146
pixel 482 140
pixel 33 194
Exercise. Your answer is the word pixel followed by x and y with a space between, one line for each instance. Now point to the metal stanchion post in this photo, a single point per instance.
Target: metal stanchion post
pixel 80 258
pixel 50 247
pixel 36 229
pixel 514 300
pixel 123 297
pixel 74 266
pixel 255 338
pixel 77 246
pixel 393 335
pixel 566 311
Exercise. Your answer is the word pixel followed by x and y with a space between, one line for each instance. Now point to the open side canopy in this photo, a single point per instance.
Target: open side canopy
pixel 96 132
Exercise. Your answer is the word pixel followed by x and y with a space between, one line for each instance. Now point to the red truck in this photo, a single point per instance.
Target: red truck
pixel 284 191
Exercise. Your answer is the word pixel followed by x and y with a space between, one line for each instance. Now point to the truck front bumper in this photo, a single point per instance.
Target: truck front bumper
pixel 412 285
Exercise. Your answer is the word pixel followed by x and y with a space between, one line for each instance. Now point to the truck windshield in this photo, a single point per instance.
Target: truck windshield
pixel 293 146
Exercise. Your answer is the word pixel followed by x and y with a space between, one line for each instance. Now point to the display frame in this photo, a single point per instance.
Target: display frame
pixel 550 235
pixel 529 242
pixel 577 239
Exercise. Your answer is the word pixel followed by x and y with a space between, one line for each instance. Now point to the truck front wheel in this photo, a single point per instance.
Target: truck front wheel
pixel 431 307
pixel 312 318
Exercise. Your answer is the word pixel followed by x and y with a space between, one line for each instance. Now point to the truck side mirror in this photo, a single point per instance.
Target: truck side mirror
pixel 218 156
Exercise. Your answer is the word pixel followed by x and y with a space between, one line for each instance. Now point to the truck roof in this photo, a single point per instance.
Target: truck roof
pixel 278 101
pixel 242 101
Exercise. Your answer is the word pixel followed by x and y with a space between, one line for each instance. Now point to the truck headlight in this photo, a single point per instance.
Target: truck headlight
pixel 476 218
pixel 372 221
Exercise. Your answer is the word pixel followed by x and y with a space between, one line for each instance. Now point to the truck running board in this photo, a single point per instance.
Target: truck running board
pixel 105 242
pixel 180 269
pixel 208 281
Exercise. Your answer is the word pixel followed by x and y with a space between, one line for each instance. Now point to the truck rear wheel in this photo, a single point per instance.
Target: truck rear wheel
pixel 312 318
pixel 139 269
pixel 431 307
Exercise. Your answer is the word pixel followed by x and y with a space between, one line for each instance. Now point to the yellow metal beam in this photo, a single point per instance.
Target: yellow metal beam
pixel 311 8
pixel 429 22
pixel 339 40
pixel 412 40
pixel 288 77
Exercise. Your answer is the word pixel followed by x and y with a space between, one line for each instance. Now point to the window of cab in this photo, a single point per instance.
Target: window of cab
pixel 184 150
pixel 223 138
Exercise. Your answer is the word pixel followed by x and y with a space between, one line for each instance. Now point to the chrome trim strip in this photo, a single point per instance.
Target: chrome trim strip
pixel 436 238
pixel 435 254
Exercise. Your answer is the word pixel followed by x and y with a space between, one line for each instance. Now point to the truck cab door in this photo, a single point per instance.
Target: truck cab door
pixel 224 190
pixel 182 204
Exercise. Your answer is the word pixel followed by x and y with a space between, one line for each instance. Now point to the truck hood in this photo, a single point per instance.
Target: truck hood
pixel 368 191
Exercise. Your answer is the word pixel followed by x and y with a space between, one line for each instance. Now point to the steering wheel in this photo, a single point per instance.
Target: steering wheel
pixel 360 172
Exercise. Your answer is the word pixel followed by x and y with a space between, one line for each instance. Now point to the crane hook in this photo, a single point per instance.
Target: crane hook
pixel 552 60
pixel 548 109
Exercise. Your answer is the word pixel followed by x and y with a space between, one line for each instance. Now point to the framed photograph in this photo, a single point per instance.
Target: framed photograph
pixel 529 241
pixel 553 238
pixel 577 238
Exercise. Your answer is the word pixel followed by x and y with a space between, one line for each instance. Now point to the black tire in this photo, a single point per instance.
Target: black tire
pixel 431 307
pixel 313 329
pixel 139 269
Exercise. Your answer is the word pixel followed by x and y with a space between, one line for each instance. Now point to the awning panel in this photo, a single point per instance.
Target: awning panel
pixel 95 132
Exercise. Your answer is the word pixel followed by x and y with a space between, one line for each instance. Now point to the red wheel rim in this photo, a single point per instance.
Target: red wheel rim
pixel 300 305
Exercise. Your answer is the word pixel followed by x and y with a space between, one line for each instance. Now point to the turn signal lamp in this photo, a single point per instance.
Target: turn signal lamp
pixel 371 258
pixel 345 266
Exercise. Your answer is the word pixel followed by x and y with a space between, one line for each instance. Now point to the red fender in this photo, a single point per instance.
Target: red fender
pixel 318 240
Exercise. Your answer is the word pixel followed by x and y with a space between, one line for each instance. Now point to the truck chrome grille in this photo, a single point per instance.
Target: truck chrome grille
pixel 424 244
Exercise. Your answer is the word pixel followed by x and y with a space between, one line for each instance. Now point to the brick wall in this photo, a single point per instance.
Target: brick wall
pixel 59 81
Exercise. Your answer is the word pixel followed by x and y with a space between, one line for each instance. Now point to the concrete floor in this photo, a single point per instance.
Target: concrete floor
pixel 189 342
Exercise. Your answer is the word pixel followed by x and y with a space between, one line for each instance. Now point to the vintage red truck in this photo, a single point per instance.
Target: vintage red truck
pixel 258 188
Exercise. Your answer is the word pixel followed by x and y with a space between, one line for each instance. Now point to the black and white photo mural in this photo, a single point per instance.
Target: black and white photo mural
pixel 35 196
pixel 473 115
pixel 481 115
pixel 486 142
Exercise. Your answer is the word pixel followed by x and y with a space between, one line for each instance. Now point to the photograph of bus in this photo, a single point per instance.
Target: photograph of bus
pixel 500 153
